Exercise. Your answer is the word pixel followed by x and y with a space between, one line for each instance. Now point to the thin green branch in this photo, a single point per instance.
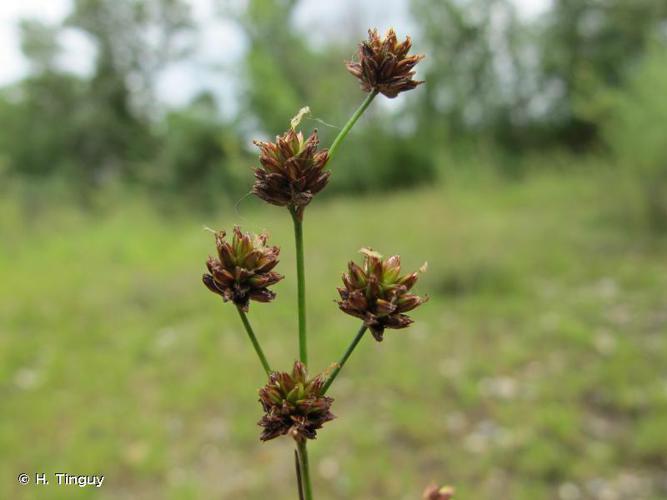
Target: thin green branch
pixel 345 357
pixel 305 470
pixel 301 284
pixel 255 342
pixel 350 123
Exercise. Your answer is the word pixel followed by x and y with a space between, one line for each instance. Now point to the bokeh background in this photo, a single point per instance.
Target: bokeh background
pixel 530 171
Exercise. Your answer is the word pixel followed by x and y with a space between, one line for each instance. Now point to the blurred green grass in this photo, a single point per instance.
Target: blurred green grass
pixel 537 370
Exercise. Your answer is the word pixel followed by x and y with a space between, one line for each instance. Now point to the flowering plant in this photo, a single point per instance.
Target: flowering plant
pixel 291 172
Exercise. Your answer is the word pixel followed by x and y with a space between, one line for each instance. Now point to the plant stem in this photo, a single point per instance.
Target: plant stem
pixel 255 342
pixel 299 481
pixel 305 470
pixel 301 283
pixel 345 357
pixel 350 123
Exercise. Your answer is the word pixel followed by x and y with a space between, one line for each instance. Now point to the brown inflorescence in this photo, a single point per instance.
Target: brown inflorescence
pixel 243 270
pixel 294 405
pixel 291 170
pixel 383 64
pixel 435 492
pixel 378 294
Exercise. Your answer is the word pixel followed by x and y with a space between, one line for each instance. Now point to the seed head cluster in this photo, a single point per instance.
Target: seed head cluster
pixel 291 170
pixel 378 294
pixel 294 405
pixel 243 270
pixel 383 64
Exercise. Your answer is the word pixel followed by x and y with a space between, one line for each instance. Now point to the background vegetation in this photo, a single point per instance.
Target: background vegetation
pixel 530 171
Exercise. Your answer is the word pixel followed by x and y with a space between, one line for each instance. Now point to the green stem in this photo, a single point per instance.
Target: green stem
pixel 299 481
pixel 305 470
pixel 350 123
pixel 301 283
pixel 345 357
pixel 255 342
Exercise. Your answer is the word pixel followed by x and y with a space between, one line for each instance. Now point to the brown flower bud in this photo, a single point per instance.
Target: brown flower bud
pixel 384 65
pixel 433 492
pixel 291 170
pixel 378 294
pixel 294 405
pixel 243 269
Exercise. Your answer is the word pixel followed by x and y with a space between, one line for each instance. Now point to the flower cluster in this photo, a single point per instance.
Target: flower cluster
pixel 384 65
pixel 243 269
pixel 378 294
pixel 294 405
pixel 291 170
pixel 434 492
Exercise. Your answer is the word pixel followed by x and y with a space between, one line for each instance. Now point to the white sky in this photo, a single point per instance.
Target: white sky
pixel 13 65
pixel 183 80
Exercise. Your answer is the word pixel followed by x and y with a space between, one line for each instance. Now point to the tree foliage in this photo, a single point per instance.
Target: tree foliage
pixel 494 77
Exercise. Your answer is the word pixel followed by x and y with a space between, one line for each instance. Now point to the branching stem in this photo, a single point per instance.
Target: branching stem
pixel 350 123
pixel 343 360
pixel 255 342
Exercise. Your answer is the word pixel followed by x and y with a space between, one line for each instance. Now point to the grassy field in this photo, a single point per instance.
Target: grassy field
pixel 538 370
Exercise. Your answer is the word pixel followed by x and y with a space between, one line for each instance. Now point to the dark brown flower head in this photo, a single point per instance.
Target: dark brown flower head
pixel 384 64
pixel 291 170
pixel 243 269
pixel 378 294
pixel 294 405
pixel 433 492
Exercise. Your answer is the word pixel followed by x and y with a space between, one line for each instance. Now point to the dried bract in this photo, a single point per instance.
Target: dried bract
pixel 378 294
pixel 243 270
pixel 383 64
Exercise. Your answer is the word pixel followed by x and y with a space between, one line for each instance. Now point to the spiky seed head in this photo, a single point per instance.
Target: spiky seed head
pixel 294 404
pixel 377 293
pixel 243 268
pixel 291 170
pixel 383 64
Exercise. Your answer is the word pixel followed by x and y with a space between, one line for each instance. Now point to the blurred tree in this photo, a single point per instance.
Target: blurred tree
pixel 40 45
pixel 38 133
pixel 492 78
pixel 200 156
pixel 587 46
pixel 101 126
pixel 284 73
pixel 134 40
pixel 276 85
pixel 477 78
pixel 635 131
pixel 528 83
